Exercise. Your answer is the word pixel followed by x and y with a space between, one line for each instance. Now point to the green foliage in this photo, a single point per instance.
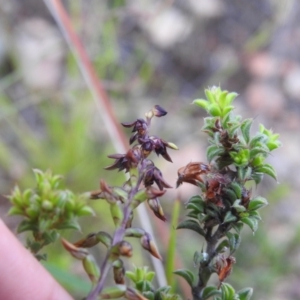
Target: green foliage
pixel 225 201
pixel 46 209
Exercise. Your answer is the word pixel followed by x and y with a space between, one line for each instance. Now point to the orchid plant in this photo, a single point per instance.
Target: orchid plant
pixel 226 201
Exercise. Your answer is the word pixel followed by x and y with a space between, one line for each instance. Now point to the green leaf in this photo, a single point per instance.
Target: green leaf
pixel 236 187
pixel 238 226
pixel 223 245
pixel 257 177
pixel 234 241
pixel 85 211
pixel 222 99
pixel 187 275
pixel 230 194
pixel 202 103
pixel 251 222
pixel 245 173
pixel 15 211
pixel 194 207
pixel 131 275
pixel 209 291
pixel 238 207
pixel 245 128
pixel 210 96
pixel 192 225
pixel 255 214
pixel 230 97
pixel 228 291
pixel 245 294
pixel 71 224
pixel 213 151
pixel 267 169
pixel 26 225
pixel 257 203
pixel 149 295
pixel 257 140
pixel 229 217
pixel 149 276
pixel 258 150
pixel 214 110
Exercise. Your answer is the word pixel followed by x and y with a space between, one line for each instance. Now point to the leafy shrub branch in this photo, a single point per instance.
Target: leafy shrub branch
pixel 236 163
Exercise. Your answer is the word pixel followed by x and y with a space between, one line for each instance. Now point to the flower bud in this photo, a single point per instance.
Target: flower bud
pixel 116 213
pixel 119 272
pixel 113 292
pixel 155 206
pixel 93 239
pixel 91 268
pixel 78 253
pixel 148 244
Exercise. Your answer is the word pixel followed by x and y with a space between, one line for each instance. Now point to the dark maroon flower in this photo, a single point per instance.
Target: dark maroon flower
pixel 140 129
pixel 153 174
pixel 158 111
pixel 125 161
pixel 160 148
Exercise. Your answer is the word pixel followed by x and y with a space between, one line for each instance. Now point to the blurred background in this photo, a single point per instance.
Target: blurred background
pixel 146 53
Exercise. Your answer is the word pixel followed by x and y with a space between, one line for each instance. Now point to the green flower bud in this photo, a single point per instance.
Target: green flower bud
pixel 47 205
pixel 91 268
pixel 116 213
pixel 112 292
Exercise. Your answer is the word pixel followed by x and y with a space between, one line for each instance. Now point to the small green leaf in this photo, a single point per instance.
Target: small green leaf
pixel 202 103
pixel 257 203
pixel 213 151
pixel 222 246
pixel 192 225
pixel 255 215
pixel 214 110
pixel 238 226
pixel 261 150
pixel 70 224
pixel 238 207
pixel 234 241
pixel 149 295
pixel 187 275
pixel 85 211
pixel 228 291
pixel 149 276
pixel 194 207
pixel 15 211
pixel 245 128
pixel 251 222
pixel 229 217
pixel 230 194
pixel 222 99
pixel 209 93
pixel 236 187
pixel 245 173
pixel 131 275
pixel 209 291
pixel 257 177
pixel 267 169
pixel 245 294
pixel 230 97
pixel 26 225
pixel 257 140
